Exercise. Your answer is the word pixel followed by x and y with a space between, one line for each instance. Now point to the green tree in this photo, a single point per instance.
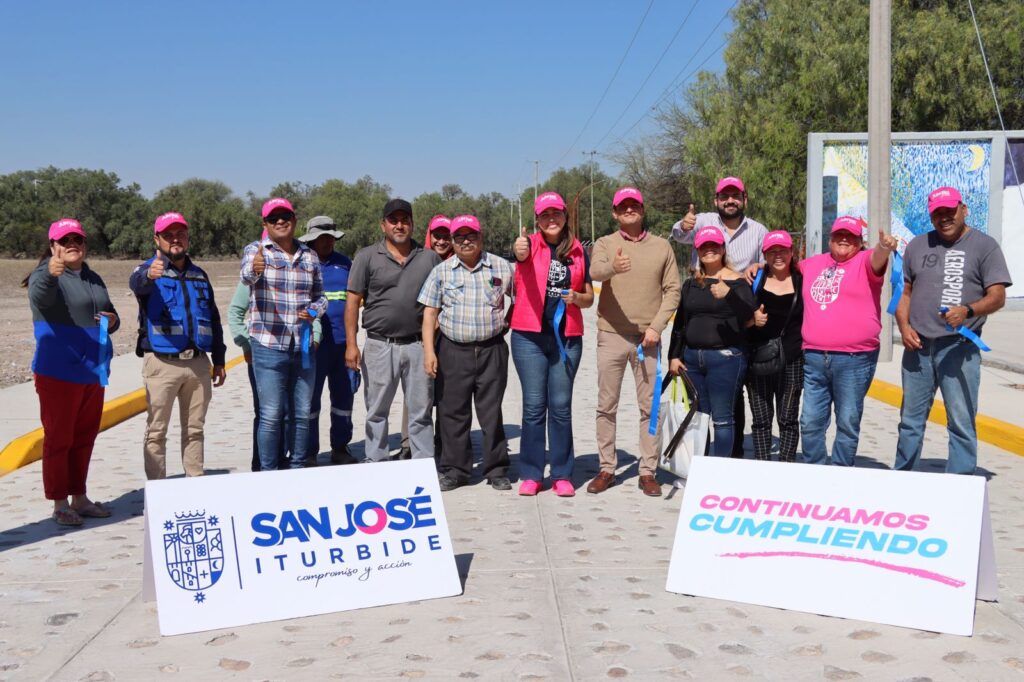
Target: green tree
pixel 219 222
pixel 798 66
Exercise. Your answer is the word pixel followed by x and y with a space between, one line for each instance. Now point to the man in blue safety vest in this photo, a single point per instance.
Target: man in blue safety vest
pixel 179 328
pixel 321 235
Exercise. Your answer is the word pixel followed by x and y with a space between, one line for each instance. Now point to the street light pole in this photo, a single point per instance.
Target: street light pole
pixel 880 142
pixel 592 153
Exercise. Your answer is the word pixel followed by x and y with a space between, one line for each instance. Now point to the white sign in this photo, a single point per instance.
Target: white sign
pixel 902 548
pixel 248 548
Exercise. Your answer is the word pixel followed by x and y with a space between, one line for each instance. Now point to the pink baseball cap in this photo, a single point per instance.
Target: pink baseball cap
pixel 276 204
pixel 166 220
pixel 64 227
pixel 627 193
pixel 439 221
pixel 470 221
pixel 776 238
pixel 846 223
pixel 546 201
pixel 730 182
pixel 944 197
pixel 708 234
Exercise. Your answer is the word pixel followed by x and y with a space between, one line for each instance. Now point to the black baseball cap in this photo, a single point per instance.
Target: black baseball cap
pixel 397 205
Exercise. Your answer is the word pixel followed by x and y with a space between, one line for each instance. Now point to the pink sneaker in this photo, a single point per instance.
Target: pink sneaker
pixel 564 488
pixel 529 487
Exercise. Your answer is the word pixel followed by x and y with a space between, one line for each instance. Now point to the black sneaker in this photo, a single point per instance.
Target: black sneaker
pixel 500 483
pixel 448 483
pixel 342 456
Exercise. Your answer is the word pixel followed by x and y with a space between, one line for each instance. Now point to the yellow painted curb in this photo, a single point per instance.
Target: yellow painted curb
pixel 29 447
pixel 990 430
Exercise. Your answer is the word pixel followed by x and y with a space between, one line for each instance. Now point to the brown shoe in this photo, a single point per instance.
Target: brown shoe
pixel 601 482
pixel 650 486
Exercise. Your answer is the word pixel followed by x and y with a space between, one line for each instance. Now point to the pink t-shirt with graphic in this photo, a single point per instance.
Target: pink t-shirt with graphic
pixel 842 303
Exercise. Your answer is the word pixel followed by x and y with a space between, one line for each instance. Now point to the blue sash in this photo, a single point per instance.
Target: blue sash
pixel 897 282
pixel 307 332
pixel 557 323
pixel 965 332
pixel 757 280
pixel 652 427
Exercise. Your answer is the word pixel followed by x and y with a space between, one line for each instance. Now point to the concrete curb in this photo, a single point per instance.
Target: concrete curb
pixel 28 448
pixel 991 430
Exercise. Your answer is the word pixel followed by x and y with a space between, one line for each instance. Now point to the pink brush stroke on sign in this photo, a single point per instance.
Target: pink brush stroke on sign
pixel 916 572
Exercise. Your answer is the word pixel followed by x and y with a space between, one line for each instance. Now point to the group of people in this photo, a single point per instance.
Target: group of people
pixel 441 320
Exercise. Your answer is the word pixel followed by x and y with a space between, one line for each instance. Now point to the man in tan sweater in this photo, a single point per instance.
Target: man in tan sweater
pixel 639 293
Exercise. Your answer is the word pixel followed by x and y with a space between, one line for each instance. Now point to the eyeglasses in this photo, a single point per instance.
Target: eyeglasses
pixel 468 237
pixel 275 218
pixel 75 239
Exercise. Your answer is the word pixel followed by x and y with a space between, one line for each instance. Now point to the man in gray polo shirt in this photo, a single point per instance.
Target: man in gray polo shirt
pixel 386 278
pixel 743 237
pixel 953 277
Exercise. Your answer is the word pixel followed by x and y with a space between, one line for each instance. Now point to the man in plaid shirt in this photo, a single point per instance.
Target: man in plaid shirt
pixel 464 297
pixel 286 295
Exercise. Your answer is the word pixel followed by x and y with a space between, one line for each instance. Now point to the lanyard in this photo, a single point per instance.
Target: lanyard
pixel 652 427
pixel 102 369
pixel 965 332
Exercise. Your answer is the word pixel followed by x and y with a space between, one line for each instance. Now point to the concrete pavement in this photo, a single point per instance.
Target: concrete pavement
pixel 554 588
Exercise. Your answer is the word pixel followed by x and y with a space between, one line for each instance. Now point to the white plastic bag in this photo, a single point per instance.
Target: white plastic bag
pixel 684 429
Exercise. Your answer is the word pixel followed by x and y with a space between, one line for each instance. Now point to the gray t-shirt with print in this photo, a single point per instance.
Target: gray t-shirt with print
pixel 950 275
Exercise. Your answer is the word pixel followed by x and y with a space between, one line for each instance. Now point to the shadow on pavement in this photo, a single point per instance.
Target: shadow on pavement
pixel 462 563
pixel 122 508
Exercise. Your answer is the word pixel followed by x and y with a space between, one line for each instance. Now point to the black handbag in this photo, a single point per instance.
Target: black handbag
pixel 769 358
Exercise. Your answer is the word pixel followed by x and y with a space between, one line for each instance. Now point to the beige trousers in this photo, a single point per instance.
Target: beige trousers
pixel 187 382
pixel 614 352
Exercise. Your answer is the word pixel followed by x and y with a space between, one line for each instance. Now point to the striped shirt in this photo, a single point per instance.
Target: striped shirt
pixel 289 284
pixel 742 249
pixel 472 302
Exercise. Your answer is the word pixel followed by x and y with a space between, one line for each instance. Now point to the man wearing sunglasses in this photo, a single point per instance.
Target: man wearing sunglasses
pixel 179 329
pixel 286 296
pixel 385 279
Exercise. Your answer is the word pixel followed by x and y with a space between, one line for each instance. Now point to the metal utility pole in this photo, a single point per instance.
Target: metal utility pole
pixel 880 142
pixel 591 153
pixel 519 203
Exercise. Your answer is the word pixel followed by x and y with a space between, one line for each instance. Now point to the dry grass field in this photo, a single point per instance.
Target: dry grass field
pixel 16 341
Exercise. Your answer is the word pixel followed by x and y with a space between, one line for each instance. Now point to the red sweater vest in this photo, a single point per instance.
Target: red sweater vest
pixel 532 283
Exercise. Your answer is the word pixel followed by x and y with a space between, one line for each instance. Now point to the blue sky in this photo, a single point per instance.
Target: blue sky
pixel 415 94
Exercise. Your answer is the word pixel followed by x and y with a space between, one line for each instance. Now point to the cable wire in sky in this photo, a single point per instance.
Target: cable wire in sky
pixel 650 73
pixel 607 87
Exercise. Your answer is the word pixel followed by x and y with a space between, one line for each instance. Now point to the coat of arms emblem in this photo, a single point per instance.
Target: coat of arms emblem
pixel 194 552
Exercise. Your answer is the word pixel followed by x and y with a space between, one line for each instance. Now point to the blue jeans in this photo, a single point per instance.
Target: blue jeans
pixel 547 401
pixel 717 374
pixel 331 369
pixel 840 378
pixel 282 383
pixel 951 364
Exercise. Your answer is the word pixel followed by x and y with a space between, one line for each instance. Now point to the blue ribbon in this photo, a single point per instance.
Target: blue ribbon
pixel 757 280
pixel 965 332
pixel 652 427
pixel 559 316
pixel 897 282
pixel 102 367
pixel 307 331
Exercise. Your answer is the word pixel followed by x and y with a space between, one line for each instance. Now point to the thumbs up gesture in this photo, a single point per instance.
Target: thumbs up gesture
pixel 760 317
pixel 156 268
pixel 521 248
pixel 887 241
pixel 689 220
pixel 621 263
pixel 720 289
pixel 259 264
pixel 56 265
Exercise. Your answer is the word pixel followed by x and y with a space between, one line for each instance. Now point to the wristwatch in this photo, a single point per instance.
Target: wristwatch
pixel 970 312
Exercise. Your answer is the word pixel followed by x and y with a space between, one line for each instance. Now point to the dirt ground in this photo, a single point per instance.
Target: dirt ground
pixel 17 343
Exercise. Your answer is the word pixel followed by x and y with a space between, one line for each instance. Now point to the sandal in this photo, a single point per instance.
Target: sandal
pixel 67 517
pixel 93 510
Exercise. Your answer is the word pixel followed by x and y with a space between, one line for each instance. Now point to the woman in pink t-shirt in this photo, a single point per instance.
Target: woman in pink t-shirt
pixel 842 320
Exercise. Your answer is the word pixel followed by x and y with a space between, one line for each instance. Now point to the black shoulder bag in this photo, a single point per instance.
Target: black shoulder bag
pixel 769 358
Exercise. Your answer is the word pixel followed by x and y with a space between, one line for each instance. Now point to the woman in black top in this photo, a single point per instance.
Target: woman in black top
pixel 779 315
pixel 709 337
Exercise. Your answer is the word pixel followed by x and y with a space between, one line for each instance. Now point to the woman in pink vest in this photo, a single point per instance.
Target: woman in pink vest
pixel 552 285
